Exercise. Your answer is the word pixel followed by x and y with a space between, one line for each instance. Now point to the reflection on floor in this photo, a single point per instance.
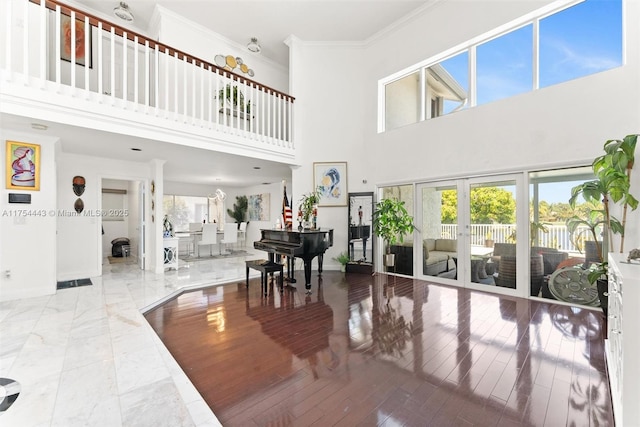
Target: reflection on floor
pixel 380 350
pixel 85 356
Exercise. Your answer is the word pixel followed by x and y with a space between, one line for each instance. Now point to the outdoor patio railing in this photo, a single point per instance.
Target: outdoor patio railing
pixel 557 235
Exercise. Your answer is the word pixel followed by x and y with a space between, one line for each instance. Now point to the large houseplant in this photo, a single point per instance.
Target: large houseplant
pixel 612 184
pixel 239 211
pixel 391 222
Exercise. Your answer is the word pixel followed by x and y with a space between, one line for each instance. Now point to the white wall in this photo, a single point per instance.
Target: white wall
pixel 79 242
pixel 190 37
pixel 28 231
pixel 561 125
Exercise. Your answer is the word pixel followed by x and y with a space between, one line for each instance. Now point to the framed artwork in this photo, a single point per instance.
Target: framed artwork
pixel 65 41
pixel 23 166
pixel 330 179
pixel 259 207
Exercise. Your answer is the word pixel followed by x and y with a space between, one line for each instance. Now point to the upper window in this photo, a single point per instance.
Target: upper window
pixel 504 65
pixel 573 42
pixel 581 40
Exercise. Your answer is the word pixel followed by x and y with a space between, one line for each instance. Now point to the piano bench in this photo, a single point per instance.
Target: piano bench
pixel 265 267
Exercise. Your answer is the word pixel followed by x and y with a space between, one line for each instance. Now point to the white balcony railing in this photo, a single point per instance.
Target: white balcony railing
pixel 557 235
pixel 99 61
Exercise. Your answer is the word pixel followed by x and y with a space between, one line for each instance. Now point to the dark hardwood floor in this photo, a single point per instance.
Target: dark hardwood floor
pixel 387 351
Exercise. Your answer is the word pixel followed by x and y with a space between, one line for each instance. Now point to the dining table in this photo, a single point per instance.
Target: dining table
pixel 196 236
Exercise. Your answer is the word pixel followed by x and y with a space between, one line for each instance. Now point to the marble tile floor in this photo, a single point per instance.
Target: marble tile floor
pixel 86 356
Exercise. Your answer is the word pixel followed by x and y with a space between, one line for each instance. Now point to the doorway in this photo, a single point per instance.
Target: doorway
pixel 123 240
pixel 469 234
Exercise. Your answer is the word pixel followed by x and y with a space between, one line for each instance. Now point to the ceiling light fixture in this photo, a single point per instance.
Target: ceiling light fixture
pixel 253 45
pixel 123 12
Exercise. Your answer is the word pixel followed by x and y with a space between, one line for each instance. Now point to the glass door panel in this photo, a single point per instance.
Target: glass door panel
pixel 492 233
pixel 438 223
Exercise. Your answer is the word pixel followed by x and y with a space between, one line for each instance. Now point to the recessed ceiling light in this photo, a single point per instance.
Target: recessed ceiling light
pixel 136 149
pixel 39 126
pixel 257 167
pixel 266 183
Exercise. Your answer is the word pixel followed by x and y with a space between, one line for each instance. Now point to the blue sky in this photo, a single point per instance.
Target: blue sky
pixel 578 41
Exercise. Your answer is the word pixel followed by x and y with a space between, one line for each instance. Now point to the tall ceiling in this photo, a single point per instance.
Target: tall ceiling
pixel 271 21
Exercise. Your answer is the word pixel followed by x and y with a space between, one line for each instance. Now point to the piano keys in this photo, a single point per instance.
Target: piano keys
pixel 305 244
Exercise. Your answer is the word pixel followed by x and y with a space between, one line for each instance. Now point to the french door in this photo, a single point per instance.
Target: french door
pixel 469 234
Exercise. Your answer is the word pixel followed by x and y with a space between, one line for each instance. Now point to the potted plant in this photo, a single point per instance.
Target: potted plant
pixel 239 211
pixel 308 208
pixel 343 259
pixel 612 184
pixel 488 240
pixel 391 222
pixel 232 96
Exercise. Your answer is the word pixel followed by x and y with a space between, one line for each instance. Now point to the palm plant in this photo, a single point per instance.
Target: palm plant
pixel 239 211
pixel 612 184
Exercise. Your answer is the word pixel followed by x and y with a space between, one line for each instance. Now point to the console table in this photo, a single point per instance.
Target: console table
pixel 170 245
pixel 622 346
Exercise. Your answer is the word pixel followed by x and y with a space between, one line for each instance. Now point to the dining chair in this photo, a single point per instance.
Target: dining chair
pixel 230 235
pixel 242 233
pixel 209 237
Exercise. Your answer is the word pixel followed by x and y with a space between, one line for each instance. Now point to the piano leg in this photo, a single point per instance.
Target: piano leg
pixel 307 274
pixel 320 258
pixel 291 263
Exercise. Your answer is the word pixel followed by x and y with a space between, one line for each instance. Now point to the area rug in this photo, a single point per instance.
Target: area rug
pixel 206 256
pixel 74 283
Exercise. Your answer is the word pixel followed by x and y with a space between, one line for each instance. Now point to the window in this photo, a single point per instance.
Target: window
pixel 573 42
pixel 448 85
pixel 504 66
pixel 181 210
pixel 402 101
pixel 569 51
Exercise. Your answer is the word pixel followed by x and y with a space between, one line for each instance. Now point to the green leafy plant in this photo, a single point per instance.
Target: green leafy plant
pixel 307 203
pixel 233 96
pixel 619 158
pixel 342 258
pixel 612 183
pixel 392 222
pixel 594 222
pixel 239 211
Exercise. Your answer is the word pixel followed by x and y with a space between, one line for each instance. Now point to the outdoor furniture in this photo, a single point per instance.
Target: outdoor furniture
pixel 265 267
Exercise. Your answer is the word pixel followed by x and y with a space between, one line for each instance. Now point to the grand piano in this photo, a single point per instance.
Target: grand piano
pixel 305 244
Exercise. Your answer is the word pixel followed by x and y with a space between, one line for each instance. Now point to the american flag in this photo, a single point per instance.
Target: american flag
pixel 287 215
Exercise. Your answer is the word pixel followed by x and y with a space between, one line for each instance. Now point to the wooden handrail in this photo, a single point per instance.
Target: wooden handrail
pixel 119 31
